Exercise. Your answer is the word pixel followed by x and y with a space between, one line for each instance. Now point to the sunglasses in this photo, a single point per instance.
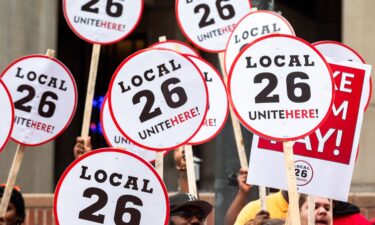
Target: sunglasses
pixel 187 214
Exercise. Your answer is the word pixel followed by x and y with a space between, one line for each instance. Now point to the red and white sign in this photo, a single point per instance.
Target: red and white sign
pixel 111 186
pixel 45 98
pixel 158 99
pixel 325 159
pixel 114 138
pixel 208 24
pixel 280 87
pixel 102 21
pixel 254 25
pixel 218 103
pixel 339 52
pixel 178 46
pixel 7 115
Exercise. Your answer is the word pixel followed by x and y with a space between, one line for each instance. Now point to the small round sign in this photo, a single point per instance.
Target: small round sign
pixel 114 138
pixel 158 99
pixel 340 52
pixel 178 46
pixel 208 24
pixel 281 87
pixel 218 103
pixel 45 98
pixel 7 115
pixel 111 186
pixel 102 21
pixel 254 25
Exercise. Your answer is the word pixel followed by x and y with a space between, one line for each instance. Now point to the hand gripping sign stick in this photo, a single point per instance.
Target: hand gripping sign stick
pixel 239 138
pixel 192 186
pixel 17 161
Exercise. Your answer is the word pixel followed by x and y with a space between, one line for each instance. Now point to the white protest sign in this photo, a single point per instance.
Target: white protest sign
pixel 102 21
pixel 7 115
pixel 254 25
pixel 325 159
pixel 111 186
pixel 339 52
pixel 158 99
pixel 114 138
pixel 281 87
pixel 218 103
pixel 178 46
pixel 208 24
pixel 45 98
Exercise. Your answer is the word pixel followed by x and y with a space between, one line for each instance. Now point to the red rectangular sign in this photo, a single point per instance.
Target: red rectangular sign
pixel 333 141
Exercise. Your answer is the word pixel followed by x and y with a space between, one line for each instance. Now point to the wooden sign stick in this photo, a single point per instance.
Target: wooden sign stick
pixel 16 165
pixel 311 209
pixel 239 138
pixel 17 161
pixel 90 90
pixel 293 210
pixel 331 210
pixel 190 170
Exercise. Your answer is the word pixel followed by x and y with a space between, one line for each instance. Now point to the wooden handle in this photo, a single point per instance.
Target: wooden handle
pixel 311 210
pixel 159 161
pixel 17 161
pixel 292 184
pixel 90 90
pixel 190 170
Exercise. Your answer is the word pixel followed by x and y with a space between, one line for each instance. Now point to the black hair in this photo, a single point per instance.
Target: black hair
pixel 17 200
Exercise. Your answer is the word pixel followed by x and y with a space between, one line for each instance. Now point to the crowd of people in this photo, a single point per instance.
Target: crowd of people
pixel 186 209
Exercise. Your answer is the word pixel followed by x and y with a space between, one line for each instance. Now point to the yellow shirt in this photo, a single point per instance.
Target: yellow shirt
pixel 276 206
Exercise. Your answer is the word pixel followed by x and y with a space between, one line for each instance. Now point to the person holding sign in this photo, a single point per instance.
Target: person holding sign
pixel 186 209
pixel 15 214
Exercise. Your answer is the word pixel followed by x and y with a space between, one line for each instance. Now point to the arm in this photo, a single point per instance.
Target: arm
pixel 240 200
pixel 81 147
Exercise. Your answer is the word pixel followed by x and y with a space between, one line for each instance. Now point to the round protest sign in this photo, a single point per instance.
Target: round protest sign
pixel 45 98
pixel 208 24
pixel 111 186
pixel 252 26
pixel 339 52
pixel 7 115
pixel 281 88
pixel 158 99
pixel 102 21
pixel 178 46
pixel 114 138
pixel 218 103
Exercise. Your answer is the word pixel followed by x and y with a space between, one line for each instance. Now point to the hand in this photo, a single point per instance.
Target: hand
pixel 241 179
pixel 262 215
pixel 180 159
pixel 81 147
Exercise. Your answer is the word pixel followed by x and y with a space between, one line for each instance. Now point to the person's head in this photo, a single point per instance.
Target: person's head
pixel 322 207
pixel 15 214
pixel 186 209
